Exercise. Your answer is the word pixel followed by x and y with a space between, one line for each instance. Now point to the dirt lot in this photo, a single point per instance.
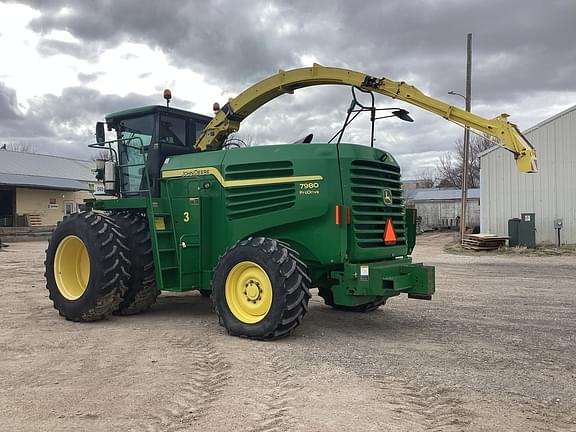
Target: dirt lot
pixel 494 351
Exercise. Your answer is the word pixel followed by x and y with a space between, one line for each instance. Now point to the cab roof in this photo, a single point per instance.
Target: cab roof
pixel 152 109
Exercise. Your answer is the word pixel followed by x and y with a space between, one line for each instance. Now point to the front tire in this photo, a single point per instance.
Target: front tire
pixel 86 267
pixel 260 289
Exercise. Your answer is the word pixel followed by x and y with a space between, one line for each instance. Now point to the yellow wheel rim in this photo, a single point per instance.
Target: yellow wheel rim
pixel 71 267
pixel 248 292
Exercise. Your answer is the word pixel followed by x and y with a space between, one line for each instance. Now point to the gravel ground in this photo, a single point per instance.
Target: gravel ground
pixel 494 351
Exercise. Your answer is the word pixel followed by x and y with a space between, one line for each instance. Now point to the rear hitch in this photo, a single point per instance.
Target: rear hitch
pixel 420 297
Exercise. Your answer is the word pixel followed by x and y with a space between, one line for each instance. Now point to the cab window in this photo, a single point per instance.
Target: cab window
pixel 198 126
pixel 172 131
pixel 137 133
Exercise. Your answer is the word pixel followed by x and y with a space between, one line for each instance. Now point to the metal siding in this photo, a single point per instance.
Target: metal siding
pixel 42 182
pixel 550 193
pixel 434 212
pixel 34 164
pixel 441 194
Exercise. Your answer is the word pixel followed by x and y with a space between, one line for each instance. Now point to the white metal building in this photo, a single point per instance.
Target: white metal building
pixel 550 193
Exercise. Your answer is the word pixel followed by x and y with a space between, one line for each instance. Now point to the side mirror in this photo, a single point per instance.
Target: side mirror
pixel 100 133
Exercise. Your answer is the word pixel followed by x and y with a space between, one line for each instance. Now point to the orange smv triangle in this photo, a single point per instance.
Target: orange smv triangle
pixel 389 233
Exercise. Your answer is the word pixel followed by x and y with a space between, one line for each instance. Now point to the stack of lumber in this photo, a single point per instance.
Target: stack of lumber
pixel 483 242
pixel 33 220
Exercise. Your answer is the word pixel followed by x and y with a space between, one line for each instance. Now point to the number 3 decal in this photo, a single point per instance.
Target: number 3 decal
pixel 186 216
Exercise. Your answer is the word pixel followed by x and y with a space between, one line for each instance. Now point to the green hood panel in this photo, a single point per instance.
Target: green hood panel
pixel 291 192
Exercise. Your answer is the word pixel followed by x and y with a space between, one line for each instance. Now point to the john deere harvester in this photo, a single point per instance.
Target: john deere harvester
pixel 254 228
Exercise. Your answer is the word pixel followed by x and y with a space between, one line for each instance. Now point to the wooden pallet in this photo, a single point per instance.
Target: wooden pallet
pixel 483 242
pixel 33 220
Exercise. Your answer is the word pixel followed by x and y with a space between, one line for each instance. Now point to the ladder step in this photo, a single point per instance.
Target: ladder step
pixel 164 231
pixel 160 213
pixel 167 250
pixel 169 268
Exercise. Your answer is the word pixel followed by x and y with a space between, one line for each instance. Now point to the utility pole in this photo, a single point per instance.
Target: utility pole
pixel 466 139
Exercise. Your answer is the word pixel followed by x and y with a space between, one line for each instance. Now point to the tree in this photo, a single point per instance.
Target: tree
pixel 427 177
pixel 451 164
pixel 235 141
pixel 449 175
pixel 102 155
pixel 20 146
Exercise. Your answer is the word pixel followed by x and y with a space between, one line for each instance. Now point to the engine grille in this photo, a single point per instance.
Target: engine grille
pixel 248 201
pixel 258 170
pixel 369 181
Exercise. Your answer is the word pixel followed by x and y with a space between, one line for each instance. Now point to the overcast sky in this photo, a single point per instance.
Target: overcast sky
pixel 65 64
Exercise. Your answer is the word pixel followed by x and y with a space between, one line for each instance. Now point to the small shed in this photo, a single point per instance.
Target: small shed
pixel 440 207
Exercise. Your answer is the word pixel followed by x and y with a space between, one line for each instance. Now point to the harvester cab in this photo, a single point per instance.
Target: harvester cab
pixel 145 137
pixel 254 228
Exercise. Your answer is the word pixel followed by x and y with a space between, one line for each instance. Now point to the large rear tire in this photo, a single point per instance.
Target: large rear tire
pixel 260 289
pixel 142 291
pixel 86 267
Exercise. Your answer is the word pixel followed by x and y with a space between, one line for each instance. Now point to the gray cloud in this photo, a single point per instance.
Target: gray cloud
pixel 521 49
pixel 517 43
pixel 224 40
pixel 88 78
pixel 8 104
pixel 16 127
pixel 63 124
pixel 50 47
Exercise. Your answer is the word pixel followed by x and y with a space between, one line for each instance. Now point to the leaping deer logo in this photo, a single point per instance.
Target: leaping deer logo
pixel 387 197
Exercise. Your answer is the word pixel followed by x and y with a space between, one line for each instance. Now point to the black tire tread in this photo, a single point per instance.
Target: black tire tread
pixel 294 276
pixel 113 264
pixel 142 291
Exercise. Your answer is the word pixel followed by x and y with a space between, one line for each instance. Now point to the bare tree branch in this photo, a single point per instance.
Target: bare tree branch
pixel 427 177
pixel 19 146
pixel 236 140
pixel 101 155
pixel 450 165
